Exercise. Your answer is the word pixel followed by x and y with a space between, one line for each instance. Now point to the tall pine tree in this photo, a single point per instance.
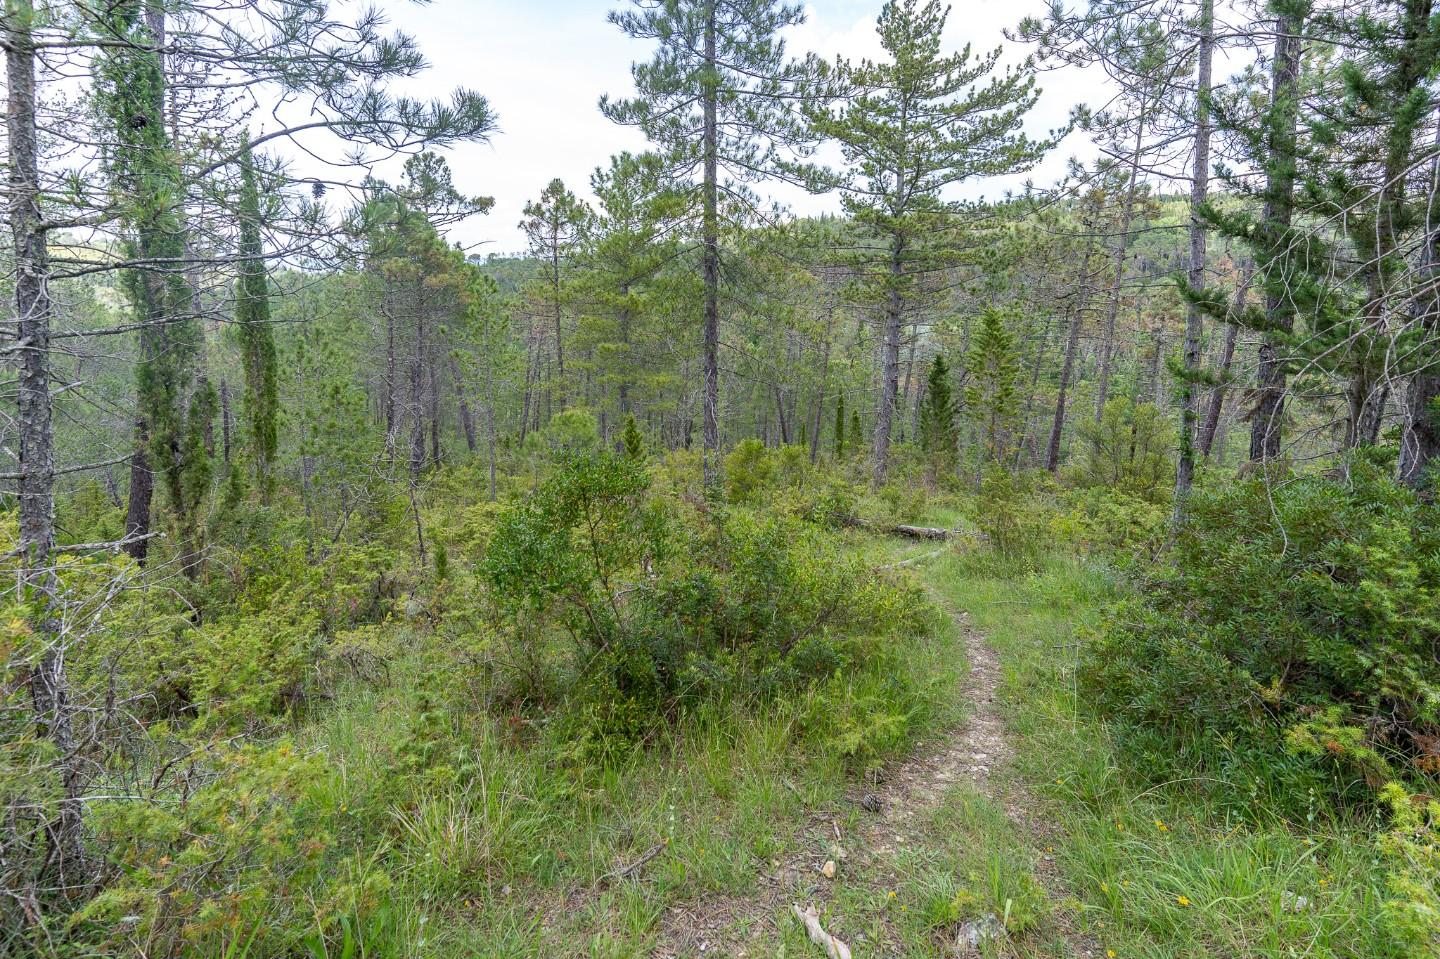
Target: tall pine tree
pixel 146 178
pixel 719 97
pixel 252 324
pixel 912 126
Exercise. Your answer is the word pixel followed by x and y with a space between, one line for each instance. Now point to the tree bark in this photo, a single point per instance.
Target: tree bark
pixel 1122 246
pixel 1420 440
pixel 710 266
pixel 467 416
pixel 1194 322
pixel 817 421
pixel 1206 438
pixel 1265 427
pixel 49 687
pixel 1067 368
pixel 889 363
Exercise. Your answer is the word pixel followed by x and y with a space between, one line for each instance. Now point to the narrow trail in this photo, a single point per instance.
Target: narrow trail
pixel 897 810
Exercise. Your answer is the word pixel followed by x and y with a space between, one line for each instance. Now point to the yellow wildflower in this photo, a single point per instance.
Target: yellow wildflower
pixel 1183 900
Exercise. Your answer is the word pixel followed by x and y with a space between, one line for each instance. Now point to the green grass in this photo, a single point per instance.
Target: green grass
pixel 1161 870
pixel 488 840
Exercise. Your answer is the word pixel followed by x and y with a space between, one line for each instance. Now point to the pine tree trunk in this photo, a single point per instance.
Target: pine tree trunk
pixel 1067 368
pixel 889 363
pixel 559 335
pixel 1420 440
pixel 820 394
pixel 784 420
pixel 910 386
pixel 467 417
pixel 1194 322
pixel 529 380
pixel 490 423
pixel 625 360
pixel 710 266
pixel 1265 427
pixel 49 687
pixel 1122 246
pixel 1041 350
pixel 225 421
pixel 392 385
pixel 1206 438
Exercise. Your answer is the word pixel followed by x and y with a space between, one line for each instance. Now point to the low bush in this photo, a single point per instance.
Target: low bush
pixel 1298 615
pixel 669 611
pixel 1289 652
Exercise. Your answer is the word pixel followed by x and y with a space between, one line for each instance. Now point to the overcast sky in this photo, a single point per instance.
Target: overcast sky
pixel 544 64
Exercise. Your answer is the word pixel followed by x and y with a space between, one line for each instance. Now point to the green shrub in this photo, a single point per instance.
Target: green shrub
pixel 738 603
pixel 749 469
pixel 1295 629
pixel 1106 521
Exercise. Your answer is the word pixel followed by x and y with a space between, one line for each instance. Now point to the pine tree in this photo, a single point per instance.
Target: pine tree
pixel 719 95
pixel 840 427
pixel 857 435
pixel 554 224
pixel 634 443
pixel 939 433
pixel 253 329
pixel 911 127
pixel 147 179
pixel 991 393
pixel 621 260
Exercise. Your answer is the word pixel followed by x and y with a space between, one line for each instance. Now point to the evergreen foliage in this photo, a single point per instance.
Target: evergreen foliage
pixel 253 330
pixel 992 383
pixel 939 418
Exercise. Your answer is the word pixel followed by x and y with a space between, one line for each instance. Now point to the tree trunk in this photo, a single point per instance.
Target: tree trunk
pixel 710 266
pixel 1122 246
pixel 1265 427
pixel 1206 438
pixel 529 379
pixel 624 383
pixel 559 335
pixel 1067 368
pixel 49 688
pixel 910 385
pixel 490 423
pixel 1420 441
pixel 820 394
pixel 467 417
pixel 391 385
pixel 889 363
pixel 225 421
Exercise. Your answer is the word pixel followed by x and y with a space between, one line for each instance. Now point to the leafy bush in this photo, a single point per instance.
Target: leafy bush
pixel 1297 625
pixel 1010 519
pixel 1097 519
pixel 748 469
pixel 736 604
pixel 1128 450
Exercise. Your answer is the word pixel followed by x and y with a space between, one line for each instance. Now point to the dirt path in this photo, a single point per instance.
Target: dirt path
pixel 897 810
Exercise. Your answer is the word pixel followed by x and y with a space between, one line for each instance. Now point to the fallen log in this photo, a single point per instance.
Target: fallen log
pixel 901 529
pixel 920 532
